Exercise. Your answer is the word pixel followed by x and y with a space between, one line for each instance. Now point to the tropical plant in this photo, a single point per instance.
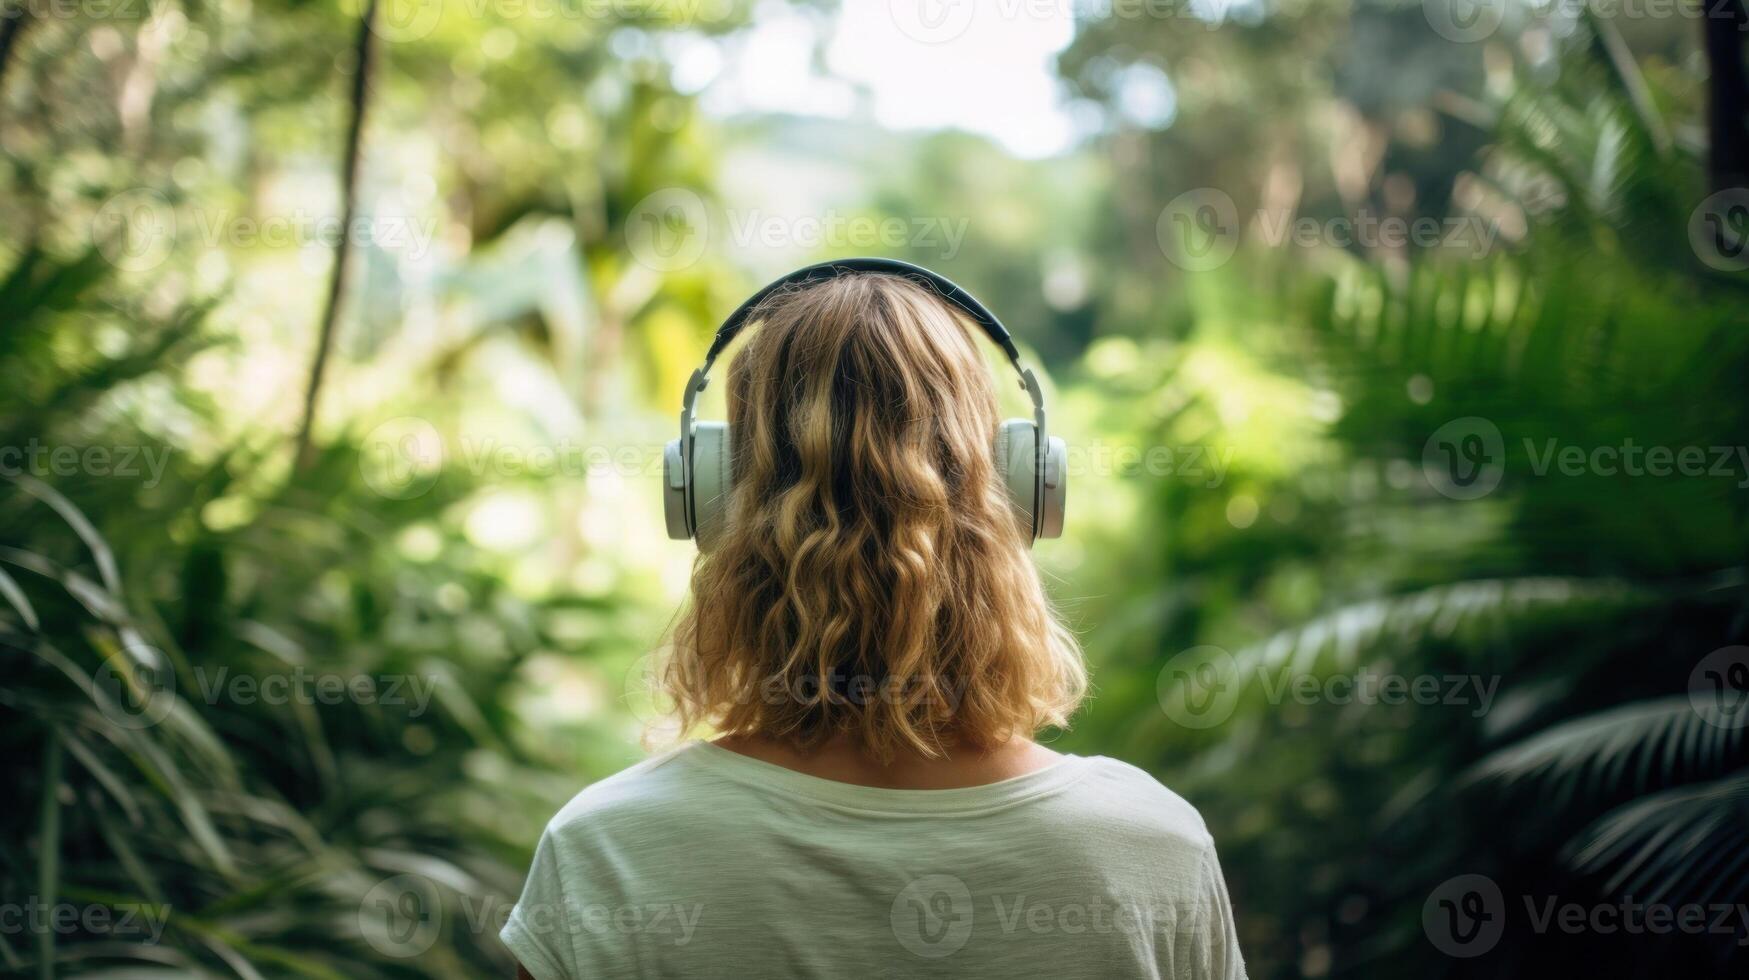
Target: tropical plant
pixel 1604 772
pixel 261 737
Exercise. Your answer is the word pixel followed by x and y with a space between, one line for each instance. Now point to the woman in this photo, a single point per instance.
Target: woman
pixel 869 637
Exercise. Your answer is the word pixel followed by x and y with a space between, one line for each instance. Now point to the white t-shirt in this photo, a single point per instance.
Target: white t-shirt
pixel 702 862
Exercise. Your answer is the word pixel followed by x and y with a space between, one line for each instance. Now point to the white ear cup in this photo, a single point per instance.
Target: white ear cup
pixel 1056 502
pixel 711 474
pixel 697 511
pixel 674 493
pixel 1016 457
pixel 700 512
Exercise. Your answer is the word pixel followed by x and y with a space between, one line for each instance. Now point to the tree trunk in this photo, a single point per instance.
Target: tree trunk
pixel 13 19
pixel 365 61
pixel 1725 22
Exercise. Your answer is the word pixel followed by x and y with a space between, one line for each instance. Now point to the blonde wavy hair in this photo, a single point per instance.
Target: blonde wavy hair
pixel 872 578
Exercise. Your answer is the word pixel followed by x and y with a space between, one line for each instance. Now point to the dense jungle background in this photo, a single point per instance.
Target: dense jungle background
pixel 1401 349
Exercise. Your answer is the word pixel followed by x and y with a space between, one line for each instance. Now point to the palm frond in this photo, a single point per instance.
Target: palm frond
pixel 1621 753
pixel 1685 845
pixel 1463 612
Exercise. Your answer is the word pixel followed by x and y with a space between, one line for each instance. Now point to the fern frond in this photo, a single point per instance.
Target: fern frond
pixel 1686 845
pixel 1626 751
pixel 1355 634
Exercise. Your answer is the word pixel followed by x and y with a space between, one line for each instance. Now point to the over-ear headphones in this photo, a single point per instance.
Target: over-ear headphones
pixel 696 470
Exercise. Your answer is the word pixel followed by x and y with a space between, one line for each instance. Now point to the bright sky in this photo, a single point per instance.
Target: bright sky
pixel 981 66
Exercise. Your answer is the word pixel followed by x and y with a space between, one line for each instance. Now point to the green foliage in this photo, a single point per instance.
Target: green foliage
pixel 1589 596
pixel 1296 392
pixel 259 819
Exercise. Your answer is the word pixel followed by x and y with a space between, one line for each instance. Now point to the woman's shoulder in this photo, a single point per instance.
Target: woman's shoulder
pixel 1119 798
pixel 661 784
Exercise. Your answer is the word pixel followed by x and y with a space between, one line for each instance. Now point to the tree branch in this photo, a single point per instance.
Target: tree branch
pixel 14 17
pixel 365 60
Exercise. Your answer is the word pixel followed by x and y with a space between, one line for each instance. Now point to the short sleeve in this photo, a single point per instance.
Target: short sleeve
pixel 535 931
pixel 1221 959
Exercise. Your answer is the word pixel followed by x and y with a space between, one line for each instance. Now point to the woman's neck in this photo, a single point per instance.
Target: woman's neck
pixel 842 760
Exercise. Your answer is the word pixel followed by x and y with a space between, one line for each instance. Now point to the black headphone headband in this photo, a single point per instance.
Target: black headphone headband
pixel 939 284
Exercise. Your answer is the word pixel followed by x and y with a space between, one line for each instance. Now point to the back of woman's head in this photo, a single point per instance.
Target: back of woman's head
pixel 872 578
